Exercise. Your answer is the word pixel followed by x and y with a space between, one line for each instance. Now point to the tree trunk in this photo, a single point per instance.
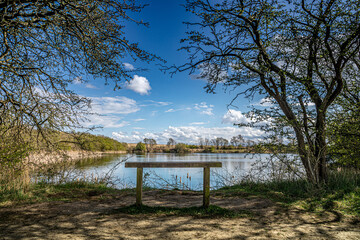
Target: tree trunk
pixel 305 158
pixel 320 148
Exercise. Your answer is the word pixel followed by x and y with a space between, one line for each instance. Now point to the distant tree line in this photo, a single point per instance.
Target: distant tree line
pixel 236 144
pixel 89 142
pixel 220 142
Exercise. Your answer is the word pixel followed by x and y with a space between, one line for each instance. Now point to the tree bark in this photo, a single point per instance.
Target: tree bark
pixel 320 148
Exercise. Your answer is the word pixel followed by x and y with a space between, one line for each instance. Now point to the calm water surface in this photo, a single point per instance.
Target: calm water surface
pixel 235 166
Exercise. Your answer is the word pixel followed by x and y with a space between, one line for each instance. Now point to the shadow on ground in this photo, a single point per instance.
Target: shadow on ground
pixel 107 219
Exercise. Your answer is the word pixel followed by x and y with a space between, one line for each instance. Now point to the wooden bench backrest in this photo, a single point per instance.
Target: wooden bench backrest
pixel 172 164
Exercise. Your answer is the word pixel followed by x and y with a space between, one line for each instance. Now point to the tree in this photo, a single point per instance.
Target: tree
pixel 171 142
pixel 296 53
pixel 236 141
pixel 207 142
pixel 201 142
pixel 250 143
pixel 149 142
pixel 223 142
pixel 45 45
pixel 140 147
pixel 220 142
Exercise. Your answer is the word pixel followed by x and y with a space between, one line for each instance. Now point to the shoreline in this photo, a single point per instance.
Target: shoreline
pixel 45 158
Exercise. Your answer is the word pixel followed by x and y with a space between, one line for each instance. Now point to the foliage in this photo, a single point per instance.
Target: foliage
pixel 192 146
pixel 69 142
pixel 220 142
pixel 140 147
pixel 298 54
pixel 92 142
pixel 171 142
pixel 344 128
pixel 236 141
pixel 181 148
pixel 149 142
pixel 47 45
pixel 12 151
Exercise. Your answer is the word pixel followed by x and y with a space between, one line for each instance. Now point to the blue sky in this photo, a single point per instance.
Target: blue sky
pixel 156 105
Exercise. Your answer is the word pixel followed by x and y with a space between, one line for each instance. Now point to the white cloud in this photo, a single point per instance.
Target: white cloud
pixel 268 102
pixel 139 84
pixel 114 105
pixel 138 128
pixel 197 123
pixel 90 86
pixel 176 110
pixel 129 66
pixel 204 108
pixel 207 112
pixel 105 121
pixel 77 80
pixel 191 134
pixel 236 117
pixel 233 116
pixel 107 110
pixel 170 110
pixel 139 119
pixel 155 103
pixel 123 137
pixel 265 102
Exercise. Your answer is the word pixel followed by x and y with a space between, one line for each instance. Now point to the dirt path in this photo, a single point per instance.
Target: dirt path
pixel 95 219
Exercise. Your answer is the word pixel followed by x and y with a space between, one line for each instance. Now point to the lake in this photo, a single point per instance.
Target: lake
pixel 234 167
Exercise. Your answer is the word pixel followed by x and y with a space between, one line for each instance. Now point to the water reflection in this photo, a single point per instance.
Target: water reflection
pixel 103 161
pixel 234 166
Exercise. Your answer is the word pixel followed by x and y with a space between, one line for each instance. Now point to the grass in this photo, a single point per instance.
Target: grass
pixel 44 192
pixel 199 212
pixel 341 193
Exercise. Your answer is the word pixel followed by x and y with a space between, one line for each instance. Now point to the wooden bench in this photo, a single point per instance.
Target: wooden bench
pixel 205 165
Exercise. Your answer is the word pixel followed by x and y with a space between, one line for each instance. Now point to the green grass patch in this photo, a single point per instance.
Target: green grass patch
pixel 199 212
pixel 43 192
pixel 341 193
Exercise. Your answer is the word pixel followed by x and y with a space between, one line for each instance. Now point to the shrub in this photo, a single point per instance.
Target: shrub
pixel 181 148
pixel 140 147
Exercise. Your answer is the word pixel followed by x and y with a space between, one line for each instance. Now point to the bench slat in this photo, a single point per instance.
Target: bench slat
pixel 172 164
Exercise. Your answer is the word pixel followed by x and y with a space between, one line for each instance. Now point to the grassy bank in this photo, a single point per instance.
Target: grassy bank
pixel 341 194
pixel 44 192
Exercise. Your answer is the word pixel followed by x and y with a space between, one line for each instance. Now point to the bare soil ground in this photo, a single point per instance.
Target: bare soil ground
pixel 95 218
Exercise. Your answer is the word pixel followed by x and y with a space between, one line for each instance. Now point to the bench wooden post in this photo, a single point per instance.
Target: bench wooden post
pixel 205 165
pixel 206 190
pixel 139 183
